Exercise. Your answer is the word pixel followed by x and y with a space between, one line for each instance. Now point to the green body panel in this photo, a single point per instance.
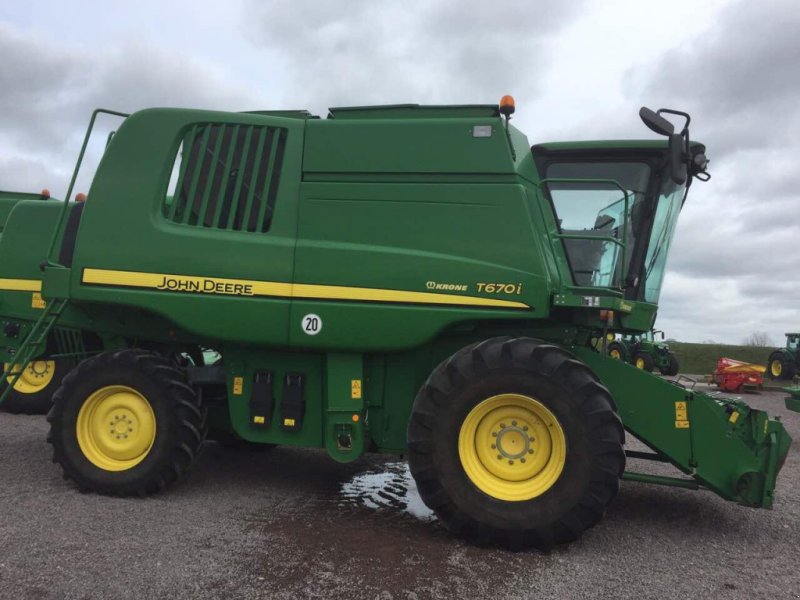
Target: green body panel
pixel 243 363
pixel 329 411
pixel 366 236
pixel 8 200
pixel 29 225
pixel 404 233
pixel 424 235
pixel 130 188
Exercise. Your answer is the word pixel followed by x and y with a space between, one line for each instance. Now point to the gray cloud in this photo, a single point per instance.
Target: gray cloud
pixel 48 96
pixel 441 51
pixel 740 79
pixel 28 174
pixel 747 62
pixel 736 246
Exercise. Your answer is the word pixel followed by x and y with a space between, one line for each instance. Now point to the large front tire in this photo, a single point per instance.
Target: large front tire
pixel 515 442
pixel 125 423
pixel 673 367
pixel 643 360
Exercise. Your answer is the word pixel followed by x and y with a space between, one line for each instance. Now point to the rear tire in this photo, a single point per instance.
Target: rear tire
pixel 672 369
pixel 643 361
pixel 550 409
pixel 33 392
pixel 780 366
pixel 125 423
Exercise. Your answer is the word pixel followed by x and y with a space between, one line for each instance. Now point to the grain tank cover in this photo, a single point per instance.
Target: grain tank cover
pixel 414 111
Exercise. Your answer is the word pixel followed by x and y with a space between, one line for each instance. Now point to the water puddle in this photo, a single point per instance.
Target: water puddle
pixel 392 487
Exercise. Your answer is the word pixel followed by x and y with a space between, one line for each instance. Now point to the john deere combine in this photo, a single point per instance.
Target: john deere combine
pixel 410 279
pixel 20 297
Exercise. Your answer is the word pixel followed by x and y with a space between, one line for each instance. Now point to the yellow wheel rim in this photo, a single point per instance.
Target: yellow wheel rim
pixel 35 377
pixel 615 354
pixel 640 363
pixel 116 428
pixel 512 447
pixel 776 368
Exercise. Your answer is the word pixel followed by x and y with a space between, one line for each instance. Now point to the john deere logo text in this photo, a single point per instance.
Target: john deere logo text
pixel 204 286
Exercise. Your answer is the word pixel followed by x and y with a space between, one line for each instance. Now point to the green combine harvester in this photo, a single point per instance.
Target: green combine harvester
pixel 33 391
pixel 411 280
pixel 644 352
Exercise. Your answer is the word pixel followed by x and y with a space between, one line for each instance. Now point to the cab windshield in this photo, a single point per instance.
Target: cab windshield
pixel 670 199
pixel 605 244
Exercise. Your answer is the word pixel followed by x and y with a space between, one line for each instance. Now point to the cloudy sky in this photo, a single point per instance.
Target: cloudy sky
pixel 579 69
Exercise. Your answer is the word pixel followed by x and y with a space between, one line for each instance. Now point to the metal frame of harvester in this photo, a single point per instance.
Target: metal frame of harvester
pixel 402 279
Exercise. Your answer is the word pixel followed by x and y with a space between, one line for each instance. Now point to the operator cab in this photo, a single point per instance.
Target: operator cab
pixel 793 341
pixel 616 205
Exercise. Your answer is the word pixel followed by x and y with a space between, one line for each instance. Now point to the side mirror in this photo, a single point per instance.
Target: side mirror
pixel 656 122
pixel 678 171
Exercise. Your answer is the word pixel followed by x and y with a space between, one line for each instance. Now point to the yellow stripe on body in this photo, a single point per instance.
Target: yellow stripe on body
pixel 209 285
pixel 21 285
pixel 244 287
pixel 335 292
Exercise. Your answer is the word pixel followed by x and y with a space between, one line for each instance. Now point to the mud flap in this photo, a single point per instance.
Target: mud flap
pixel 293 404
pixel 261 400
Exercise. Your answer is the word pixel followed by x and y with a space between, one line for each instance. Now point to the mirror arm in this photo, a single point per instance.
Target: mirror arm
pixel 680 113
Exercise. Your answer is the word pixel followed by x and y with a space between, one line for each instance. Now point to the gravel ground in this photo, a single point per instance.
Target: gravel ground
pixel 278 525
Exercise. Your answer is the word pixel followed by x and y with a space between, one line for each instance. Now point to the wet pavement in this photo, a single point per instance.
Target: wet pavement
pixel 291 523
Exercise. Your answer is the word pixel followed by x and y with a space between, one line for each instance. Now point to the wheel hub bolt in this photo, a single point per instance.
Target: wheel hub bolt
pixel 511 462
pixel 502 425
pixel 524 428
pixel 494 434
pixel 494 446
pixel 530 451
pixel 499 457
pixel 514 423
pixel 521 460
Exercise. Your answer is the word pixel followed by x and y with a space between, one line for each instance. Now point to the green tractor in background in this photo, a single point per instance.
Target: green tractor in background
pixel 644 352
pixel 784 362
